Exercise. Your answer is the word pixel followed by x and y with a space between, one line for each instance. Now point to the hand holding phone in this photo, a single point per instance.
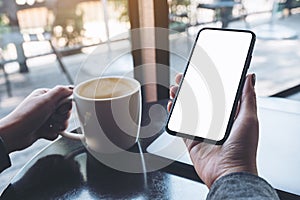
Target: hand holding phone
pixel 238 153
pixel 207 98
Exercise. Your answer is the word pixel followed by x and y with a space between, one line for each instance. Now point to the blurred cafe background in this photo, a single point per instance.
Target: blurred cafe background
pixel 44 43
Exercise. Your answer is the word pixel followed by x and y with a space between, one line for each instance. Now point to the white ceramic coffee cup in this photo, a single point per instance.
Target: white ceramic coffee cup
pixel 108 125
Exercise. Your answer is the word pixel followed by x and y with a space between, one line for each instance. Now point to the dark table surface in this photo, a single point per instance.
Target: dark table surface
pixel 66 170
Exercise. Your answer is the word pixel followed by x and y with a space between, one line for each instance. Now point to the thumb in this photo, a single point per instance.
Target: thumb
pixel 58 93
pixel 248 99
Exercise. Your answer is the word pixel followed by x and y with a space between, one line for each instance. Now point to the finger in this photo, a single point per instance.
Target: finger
pixel 173 91
pixel 237 110
pixel 59 117
pixel 248 98
pixel 169 105
pixel 51 136
pixel 59 93
pixel 64 108
pixel 53 129
pixel 37 92
pixel 178 78
pixel 40 91
pixel 60 126
pixel 48 131
pixel 192 146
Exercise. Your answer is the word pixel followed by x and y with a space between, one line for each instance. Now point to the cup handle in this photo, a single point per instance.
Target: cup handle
pixel 72 136
pixel 67 134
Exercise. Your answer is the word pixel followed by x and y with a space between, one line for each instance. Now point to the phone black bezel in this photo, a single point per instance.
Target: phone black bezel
pixel 237 96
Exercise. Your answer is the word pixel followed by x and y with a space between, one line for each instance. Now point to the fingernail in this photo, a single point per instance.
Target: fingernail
pixel 253 79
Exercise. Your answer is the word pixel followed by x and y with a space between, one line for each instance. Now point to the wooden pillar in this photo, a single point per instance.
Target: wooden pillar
pixel 151 62
pixel 161 20
pixel 134 17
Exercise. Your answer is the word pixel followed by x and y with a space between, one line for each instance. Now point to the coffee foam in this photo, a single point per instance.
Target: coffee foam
pixel 106 88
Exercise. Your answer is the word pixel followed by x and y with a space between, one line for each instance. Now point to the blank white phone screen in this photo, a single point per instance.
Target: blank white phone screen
pixel 207 93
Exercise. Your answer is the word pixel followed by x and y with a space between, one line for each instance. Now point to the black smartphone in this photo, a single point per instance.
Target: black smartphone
pixel 206 101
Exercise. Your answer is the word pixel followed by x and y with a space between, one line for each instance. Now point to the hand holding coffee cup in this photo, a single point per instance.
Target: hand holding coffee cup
pixel 109 112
